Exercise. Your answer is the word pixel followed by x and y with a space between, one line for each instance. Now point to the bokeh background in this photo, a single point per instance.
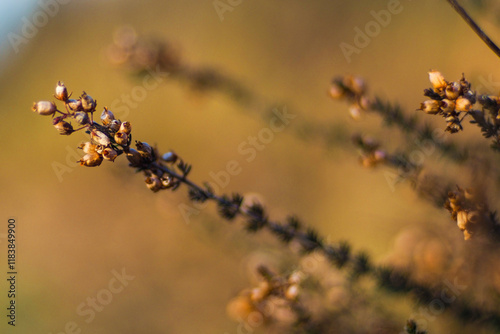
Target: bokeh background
pixel 74 230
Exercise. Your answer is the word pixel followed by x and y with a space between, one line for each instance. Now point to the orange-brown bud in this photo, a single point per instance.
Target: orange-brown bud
pixel 45 108
pixel 430 107
pixel 109 154
pixel 462 104
pixel 126 127
pixel 88 147
pixel 91 160
pixel 82 118
pixel 437 80
pixel 453 90
pixel 153 183
pixel 121 138
pixel 447 106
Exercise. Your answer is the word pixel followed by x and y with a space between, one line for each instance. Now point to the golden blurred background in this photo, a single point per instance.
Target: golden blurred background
pixel 75 229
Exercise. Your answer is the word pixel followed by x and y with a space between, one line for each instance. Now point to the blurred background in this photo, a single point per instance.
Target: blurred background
pixel 77 225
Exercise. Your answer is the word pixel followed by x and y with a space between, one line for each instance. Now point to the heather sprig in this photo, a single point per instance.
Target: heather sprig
pixel 169 172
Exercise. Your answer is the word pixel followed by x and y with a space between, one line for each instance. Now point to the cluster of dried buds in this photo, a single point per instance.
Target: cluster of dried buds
pixel 449 100
pixel 110 139
pixel 353 89
pixel 468 210
pixel 371 154
pixel 274 293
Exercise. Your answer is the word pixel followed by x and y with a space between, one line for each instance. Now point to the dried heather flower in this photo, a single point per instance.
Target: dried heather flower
pixel 125 127
pixel 45 108
pixel 107 116
pixel 75 105
pixel 462 104
pixel 91 160
pixel 144 149
pixel 114 125
pixel 61 92
pixel 437 80
pixel 88 103
pixel 453 90
pixel 121 138
pixel 109 154
pixel 153 183
pixel 82 118
pixel 430 107
pixel 134 158
pixel 99 138
pixel 88 147
pixel 63 127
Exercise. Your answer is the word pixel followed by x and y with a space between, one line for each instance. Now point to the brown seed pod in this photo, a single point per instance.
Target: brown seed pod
pixel 88 103
pixel 125 127
pixel 64 128
pixel 100 138
pixel 107 116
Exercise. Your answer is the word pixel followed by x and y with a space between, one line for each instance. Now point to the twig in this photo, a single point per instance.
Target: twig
pixel 461 11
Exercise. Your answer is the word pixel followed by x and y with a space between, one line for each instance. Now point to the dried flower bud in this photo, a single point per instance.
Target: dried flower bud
pixel 64 128
pixel 453 90
pixel 144 149
pixel 356 84
pixel 126 127
pixel 99 149
pixel 45 108
pixel 107 116
pixel 167 182
pixel 109 154
pixel 99 138
pixel 134 158
pixel 91 160
pixel 447 106
pixel 121 138
pixel 430 107
pixel 261 292
pixel 88 103
pixel 292 292
pixel 114 125
pixel 75 105
pixel 153 183
pixel 336 92
pixel 463 104
pixel 61 92
pixel 462 220
pixel 437 81
pixel 82 118
pixel 170 157
pixel 88 147
pixel 355 112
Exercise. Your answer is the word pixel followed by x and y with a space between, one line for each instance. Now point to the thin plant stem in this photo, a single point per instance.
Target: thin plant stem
pixel 461 11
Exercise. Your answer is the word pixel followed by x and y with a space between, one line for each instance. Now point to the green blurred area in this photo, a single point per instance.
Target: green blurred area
pixel 72 234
